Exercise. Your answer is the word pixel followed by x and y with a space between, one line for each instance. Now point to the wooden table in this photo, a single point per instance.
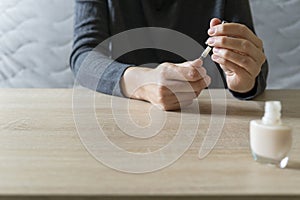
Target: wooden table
pixel 41 154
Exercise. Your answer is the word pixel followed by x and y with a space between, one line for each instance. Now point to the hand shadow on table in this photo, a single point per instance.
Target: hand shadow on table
pixel 232 109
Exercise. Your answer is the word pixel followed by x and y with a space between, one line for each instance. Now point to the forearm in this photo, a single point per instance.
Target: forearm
pixel 99 73
pixel 90 60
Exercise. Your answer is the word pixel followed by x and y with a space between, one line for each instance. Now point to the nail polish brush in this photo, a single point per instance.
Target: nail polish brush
pixel 207 50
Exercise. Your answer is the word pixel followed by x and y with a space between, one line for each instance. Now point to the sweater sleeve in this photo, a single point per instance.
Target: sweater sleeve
pixel 239 11
pixel 90 58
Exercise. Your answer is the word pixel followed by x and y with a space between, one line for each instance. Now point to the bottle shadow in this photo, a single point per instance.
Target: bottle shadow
pixel 294 165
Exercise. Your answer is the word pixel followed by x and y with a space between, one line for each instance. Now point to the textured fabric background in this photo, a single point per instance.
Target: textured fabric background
pixel 35 43
pixel 36 39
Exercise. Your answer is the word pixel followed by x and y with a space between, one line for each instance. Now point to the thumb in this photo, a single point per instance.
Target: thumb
pixel 195 63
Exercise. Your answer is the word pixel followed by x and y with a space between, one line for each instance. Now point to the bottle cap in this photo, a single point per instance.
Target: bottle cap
pixel 272 113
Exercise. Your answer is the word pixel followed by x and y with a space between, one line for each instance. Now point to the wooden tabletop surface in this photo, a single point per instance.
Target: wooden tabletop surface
pixel 41 153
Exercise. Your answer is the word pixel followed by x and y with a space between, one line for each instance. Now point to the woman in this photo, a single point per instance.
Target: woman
pixel 236 49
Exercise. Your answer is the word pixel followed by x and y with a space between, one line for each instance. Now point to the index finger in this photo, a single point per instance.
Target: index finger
pixel 236 30
pixel 174 72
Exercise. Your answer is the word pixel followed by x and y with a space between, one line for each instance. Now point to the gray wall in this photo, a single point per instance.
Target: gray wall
pixel 277 22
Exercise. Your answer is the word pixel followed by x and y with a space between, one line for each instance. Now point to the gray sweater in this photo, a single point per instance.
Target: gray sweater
pixel 97 20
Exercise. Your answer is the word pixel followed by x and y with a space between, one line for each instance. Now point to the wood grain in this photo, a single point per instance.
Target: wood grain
pixel 41 153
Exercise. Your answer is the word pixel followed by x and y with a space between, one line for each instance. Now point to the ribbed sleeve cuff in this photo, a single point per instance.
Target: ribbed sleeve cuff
pixel 110 81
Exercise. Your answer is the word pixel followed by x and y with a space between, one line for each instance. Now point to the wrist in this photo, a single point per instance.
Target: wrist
pixel 246 95
pixel 132 83
pixel 242 87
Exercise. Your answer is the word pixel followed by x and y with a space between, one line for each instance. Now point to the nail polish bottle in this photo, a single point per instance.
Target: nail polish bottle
pixel 270 140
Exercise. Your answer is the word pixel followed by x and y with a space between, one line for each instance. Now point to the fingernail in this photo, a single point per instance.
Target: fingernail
pixel 214 57
pixel 210 41
pixel 216 50
pixel 211 31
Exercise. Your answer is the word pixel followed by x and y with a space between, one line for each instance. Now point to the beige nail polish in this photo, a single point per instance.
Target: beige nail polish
pixel 270 140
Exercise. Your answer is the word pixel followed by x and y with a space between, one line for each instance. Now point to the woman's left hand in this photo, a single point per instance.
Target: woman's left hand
pixel 238 51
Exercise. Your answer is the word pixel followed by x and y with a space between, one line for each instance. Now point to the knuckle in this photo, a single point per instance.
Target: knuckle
pixel 193 74
pixel 260 43
pixel 243 29
pixel 245 61
pixel 257 71
pixel 165 64
pixel 264 58
pixel 207 81
pixel 164 67
pixel 163 72
pixel 162 75
pixel 161 67
pixel 245 45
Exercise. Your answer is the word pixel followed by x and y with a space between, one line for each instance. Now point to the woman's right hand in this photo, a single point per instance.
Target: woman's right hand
pixel 169 86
